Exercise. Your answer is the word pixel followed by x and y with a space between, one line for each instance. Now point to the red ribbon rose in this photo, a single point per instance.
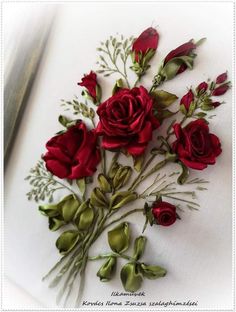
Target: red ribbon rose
pixel 164 213
pixel 187 99
pixel 195 146
pixel 127 121
pixel 73 154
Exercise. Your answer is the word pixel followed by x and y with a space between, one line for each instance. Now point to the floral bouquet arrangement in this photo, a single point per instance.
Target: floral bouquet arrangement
pixel 124 124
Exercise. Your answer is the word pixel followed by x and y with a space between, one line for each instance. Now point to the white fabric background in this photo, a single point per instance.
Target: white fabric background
pixel 197 250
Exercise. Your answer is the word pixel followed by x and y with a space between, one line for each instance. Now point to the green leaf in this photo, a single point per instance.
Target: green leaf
pixel 163 98
pixel 184 175
pixel 107 270
pixel 200 115
pixel 122 198
pixel 81 185
pixel 119 238
pixel 98 199
pixel 139 246
pixel 118 85
pixel 63 120
pixel 104 183
pixel 69 206
pixel 138 162
pixel 183 109
pixel 200 41
pixel 85 219
pixel 152 271
pixel 191 109
pixel 121 177
pixel 49 210
pixel 55 223
pixel 131 277
pixel 67 241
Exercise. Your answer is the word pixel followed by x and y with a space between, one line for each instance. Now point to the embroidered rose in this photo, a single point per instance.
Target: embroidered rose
pixel 73 154
pixel 164 213
pixel 195 146
pixel 127 121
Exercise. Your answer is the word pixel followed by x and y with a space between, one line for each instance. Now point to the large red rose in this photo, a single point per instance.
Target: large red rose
pixel 164 213
pixel 195 146
pixel 127 121
pixel 73 154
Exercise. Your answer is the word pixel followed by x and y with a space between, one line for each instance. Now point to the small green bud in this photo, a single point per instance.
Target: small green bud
pixel 152 271
pixel 104 183
pixel 122 177
pixel 98 198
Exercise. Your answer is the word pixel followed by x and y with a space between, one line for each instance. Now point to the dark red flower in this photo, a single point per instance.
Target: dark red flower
pixel 127 121
pixel 147 40
pixel 216 104
pixel 187 99
pixel 164 213
pixel 221 78
pixel 90 83
pixel 202 87
pixel 73 154
pixel 220 90
pixel 183 50
pixel 195 146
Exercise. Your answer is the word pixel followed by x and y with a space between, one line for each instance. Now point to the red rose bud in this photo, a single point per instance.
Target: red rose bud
pixel 184 50
pixel 216 104
pixel 221 78
pixel 187 99
pixel 90 83
pixel 220 90
pixel 195 146
pixel 202 87
pixel 147 40
pixel 164 213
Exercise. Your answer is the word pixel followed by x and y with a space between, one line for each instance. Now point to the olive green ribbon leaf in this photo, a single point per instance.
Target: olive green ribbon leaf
pixel 191 109
pixel 152 271
pixel 67 241
pixel 104 183
pixel 206 105
pixel 55 223
pixel 69 206
pixel 81 183
pixel 138 162
pixel 107 270
pixel 139 246
pixel 131 277
pixel 163 98
pixel 98 198
pixel 169 70
pixel 65 209
pixel 118 85
pixel 184 174
pixel 121 177
pixel 115 166
pixel 122 198
pixel 84 216
pixel 142 65
pixel 119 238
pixel 149 216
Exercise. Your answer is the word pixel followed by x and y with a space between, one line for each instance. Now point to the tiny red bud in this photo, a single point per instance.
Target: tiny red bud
pixel 187 99
pixel 221 78
pixel 202 87
pixel 220 90
pixel 216 104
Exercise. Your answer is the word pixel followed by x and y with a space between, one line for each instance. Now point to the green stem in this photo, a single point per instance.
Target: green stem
pixel 154 169
pixel 113 161
pixel 183 200
pixel 122 217
pixel 116 255
pixel 103 155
